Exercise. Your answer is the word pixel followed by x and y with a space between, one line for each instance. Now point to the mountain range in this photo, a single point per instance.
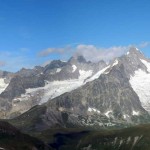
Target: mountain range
pixel 78 94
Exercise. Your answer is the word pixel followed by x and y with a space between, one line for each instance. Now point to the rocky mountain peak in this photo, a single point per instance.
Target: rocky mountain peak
pixel 133 49
pixel 135 52
pixel 81 59
pixel 77 59
pixel 54 64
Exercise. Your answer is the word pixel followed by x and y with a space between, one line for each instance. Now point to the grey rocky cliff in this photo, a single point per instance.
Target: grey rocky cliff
pixel 110 93
pixel 37 78
pixel 18 85
pixel 107 101
pixel 132 61
pixel 66 68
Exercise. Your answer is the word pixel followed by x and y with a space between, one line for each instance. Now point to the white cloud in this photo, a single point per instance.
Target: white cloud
pixel 90 52
pixel 143 44
pixel 49 51
pixel 93 53
pixel 24 58
pixel 2 63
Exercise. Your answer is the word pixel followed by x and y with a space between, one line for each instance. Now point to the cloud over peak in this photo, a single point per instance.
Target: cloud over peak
pixel 49 51
pixel 90 52
pixel 93 53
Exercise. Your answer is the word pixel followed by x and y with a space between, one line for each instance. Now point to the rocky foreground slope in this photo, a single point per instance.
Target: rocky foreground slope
pixel 12 139
pixel 135 138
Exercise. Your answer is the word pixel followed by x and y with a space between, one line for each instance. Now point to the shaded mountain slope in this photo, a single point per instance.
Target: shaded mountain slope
pixel 12 139
pixel 108 101
pixel 30 87
pixel 135 138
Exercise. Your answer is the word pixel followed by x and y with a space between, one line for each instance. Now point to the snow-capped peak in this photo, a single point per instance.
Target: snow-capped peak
pixel 147 64
pixel 135 51
pixel 115 63
pixel 74 67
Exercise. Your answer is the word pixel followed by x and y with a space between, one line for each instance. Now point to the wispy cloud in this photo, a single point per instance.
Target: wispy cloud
pixel 90 52
pixel 93 53
pixel 15 60
pixel 2 63
pixel 50 51
pixel 143 44
pixel 24 49
pixel 24 57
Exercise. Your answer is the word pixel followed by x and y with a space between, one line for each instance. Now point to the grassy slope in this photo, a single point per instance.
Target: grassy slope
pixel 13 139
pixel 135 138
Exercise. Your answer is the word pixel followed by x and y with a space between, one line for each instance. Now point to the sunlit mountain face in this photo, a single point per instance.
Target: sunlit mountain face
pixel 74 75
pixel 78 98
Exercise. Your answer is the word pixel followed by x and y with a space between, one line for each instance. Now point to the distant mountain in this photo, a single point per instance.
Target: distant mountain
pixel 29 87
pixel 112 96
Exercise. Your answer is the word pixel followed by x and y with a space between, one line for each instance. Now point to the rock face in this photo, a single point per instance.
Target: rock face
pixel 110 95
pixel 108 100
pixel 80 93
pixel 18 85
pixel 29 87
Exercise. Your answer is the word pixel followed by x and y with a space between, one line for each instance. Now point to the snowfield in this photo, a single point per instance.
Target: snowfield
pixel 140 82
pixel 3 85
pixel 55 88
pixel 97 75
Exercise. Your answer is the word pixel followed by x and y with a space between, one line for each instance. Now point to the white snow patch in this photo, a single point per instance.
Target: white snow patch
pixel 97 75
pixel 109 124
pixel 61 109
pixel 136 139
pixel 121 142
pixel 55 88
pixel 74 67
pixel 125 116
pixel 84 74
pixel 90 109
pixel 128 140
pixel 3 85
pixel 115 63
pixel 137 49
pixel 93 110
pixel 128 53
pixel 147 64
pixel 135 113
pixel 58 70
pixel 108 113
pixel 140 82
pixel 115 141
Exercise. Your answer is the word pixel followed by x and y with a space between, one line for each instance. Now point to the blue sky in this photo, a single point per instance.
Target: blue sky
pixel 59 28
